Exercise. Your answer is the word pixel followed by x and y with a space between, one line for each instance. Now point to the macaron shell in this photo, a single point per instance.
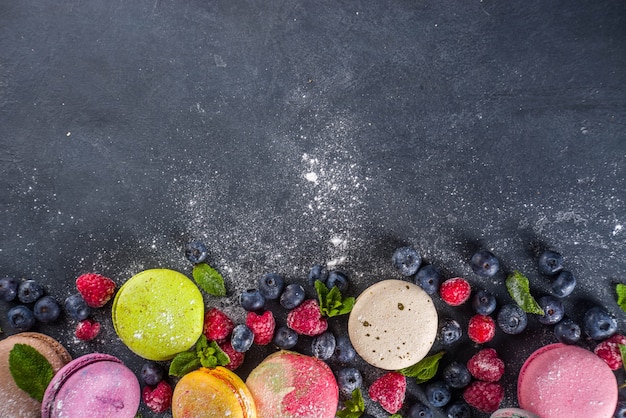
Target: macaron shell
pixel 561 380
pixel 158 313
pixel 212 393
pixel 15 402
pixel 393 324
pixel 512 413
pixel 94 385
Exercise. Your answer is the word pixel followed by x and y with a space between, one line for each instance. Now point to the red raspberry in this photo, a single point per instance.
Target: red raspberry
pixel 262 326
pixel 217 325
pixel 95 289
pixel 486 365
pixel 481 328
pixel 608 350
pixel 455 291
pixel 389 390
pixel 87 329
pixel 158 398
pixel 484 396
pixel 306 319
pixel 236 358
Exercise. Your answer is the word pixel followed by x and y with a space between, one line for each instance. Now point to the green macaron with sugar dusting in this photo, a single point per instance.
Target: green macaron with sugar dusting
pixel 158 313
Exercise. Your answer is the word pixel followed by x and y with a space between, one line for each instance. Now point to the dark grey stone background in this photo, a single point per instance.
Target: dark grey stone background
pixel 287 133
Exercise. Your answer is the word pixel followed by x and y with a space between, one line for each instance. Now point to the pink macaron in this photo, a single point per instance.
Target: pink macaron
pixel 561 380
pixel 94 385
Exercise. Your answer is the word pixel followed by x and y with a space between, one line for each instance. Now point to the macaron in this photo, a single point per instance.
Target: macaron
pixel 158 313
pixel 292 385
pixel 214 392
pixel 94 385
pixel 15 402
pixel 393 324
pixel 560 380
pixel 512 413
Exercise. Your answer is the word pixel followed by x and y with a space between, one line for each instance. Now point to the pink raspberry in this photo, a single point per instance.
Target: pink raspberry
pixel 87 329
pixel 306 319
pixel 158 398
pixel 217 325
pixel 262 326
pixel 481 328
pixel 608 350
pixel 389 390
pixel 486 365
pixel 455 291
pixel 484 396
pixel 95 289
pixel 236 358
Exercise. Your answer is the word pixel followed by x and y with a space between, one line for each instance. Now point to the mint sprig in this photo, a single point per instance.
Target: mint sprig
pixel 620 289
pixel 209 279
pixel 622 351
pixel 519 288
pixel 425 369
pixel 203 354
pixel 331 301
pixel 354 407
pixel 31 371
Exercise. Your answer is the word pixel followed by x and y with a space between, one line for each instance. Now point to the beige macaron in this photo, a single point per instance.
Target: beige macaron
pixel 13 400
pixel 393 324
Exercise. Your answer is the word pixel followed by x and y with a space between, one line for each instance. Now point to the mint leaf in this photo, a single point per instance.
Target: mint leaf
pixel 354 407
pixel 210 354
pixel 425 369
pixel 209 279
pixel 31 371
pixel 621 295
pixel 519 288
pixel 183 363
pixel 331 301
pixel 622 351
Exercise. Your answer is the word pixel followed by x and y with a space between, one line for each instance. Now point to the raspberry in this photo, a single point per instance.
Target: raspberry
pixel 262 326
pixel 95 289
pixel 87 329
pixel 306 319
pixel 158 398
pixel 481 328
pixel 455 291
pixel 217 325
pixel 608 350
pixel 236 358
pixel 484 396
pixel 486 365
pixel 389 390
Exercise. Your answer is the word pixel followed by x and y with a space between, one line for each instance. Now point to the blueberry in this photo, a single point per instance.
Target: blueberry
pixel 196 252
pixel 317 273
pixel 419 410
pixel 76 307
pixel 271 285
pixel 552 308
pixel 348 379
pixel 456 375
pixel 46 309
pixel 458 409
pixel 512 319
pixel 407 260
pixel 438 393
pixel 151 373
pixel 339 280
pixel 285 338
pixel 450 331
pixel 564 284
pixel 21 318
pixel 251 300
pixel 484 302
pixel 620 410
pixel 428 278
pixel 599 324
pixel 484 263
pixel 550 263
pixel 8 288
pixel 29 291
pixel 323 346
pixel 241 338
pixel 344 352
pixel 567 331
pixel 292 296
